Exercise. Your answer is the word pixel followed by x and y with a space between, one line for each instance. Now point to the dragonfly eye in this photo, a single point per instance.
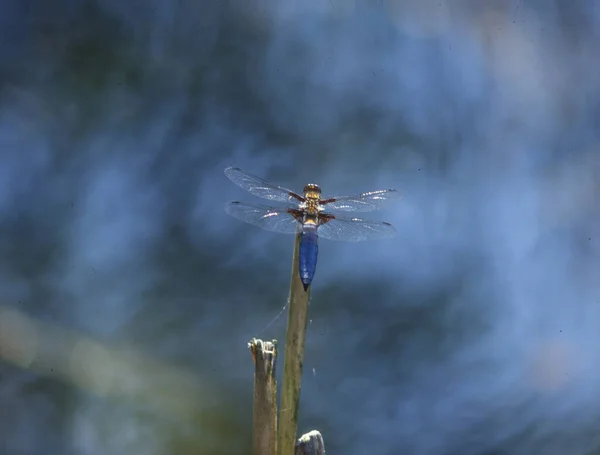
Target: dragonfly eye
pixel 312 188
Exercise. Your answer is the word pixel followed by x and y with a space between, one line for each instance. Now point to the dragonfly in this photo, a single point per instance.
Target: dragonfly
pixel 310 215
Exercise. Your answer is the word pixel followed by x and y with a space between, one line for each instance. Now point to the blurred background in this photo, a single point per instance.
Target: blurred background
pixel 127 295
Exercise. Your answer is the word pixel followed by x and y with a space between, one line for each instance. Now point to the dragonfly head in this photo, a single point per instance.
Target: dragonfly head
pixel 312 191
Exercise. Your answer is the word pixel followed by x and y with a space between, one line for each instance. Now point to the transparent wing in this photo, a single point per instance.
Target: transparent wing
pixel 354 229
pixel 260 187
pixel 269 218
pixel 364 202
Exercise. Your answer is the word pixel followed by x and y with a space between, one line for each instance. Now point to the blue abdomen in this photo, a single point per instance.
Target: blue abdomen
pixel 309 250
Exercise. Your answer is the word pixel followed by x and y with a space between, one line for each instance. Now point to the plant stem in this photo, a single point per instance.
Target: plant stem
pixel 293 360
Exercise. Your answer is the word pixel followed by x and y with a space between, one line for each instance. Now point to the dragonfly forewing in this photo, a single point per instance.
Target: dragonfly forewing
pixel 364 202
pixel 260 187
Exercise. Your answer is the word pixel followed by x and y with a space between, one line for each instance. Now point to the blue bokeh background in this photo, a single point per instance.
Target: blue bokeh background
pixel 476 331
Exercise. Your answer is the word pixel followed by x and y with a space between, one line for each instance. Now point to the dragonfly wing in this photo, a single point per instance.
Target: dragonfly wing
pixel 260 187
pixel 364 202
pixel 269 218
pixel 354 229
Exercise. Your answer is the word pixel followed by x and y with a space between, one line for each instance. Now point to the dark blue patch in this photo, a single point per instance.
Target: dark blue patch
pixel 309 250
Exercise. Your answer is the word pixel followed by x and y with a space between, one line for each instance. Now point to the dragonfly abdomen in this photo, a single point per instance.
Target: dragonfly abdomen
pixel 309 250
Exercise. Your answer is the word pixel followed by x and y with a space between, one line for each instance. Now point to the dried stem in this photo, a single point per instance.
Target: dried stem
pixel 293 360
pixel 264 439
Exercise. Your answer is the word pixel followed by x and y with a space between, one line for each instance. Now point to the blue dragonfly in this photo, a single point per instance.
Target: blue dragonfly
pixel 307 216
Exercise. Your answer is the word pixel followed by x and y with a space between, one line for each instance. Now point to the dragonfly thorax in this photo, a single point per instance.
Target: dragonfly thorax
pixel 312 196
